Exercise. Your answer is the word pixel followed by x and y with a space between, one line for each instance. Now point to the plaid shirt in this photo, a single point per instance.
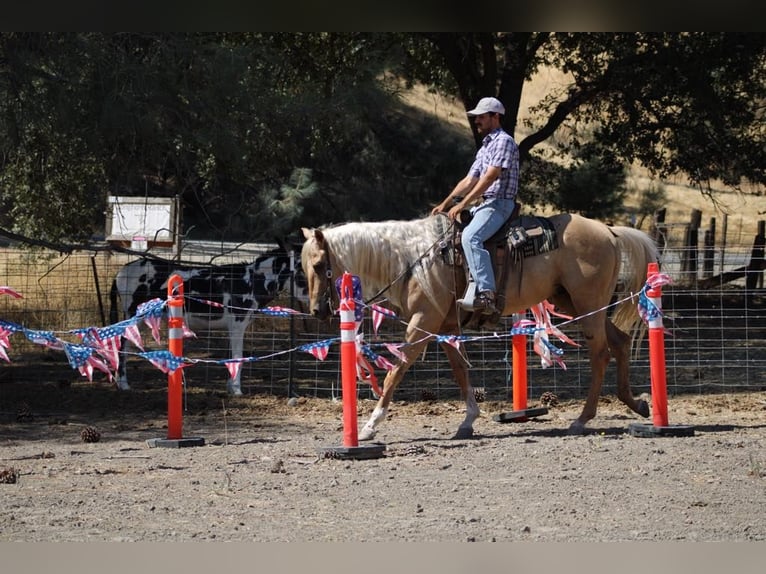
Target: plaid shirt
pixel 498 149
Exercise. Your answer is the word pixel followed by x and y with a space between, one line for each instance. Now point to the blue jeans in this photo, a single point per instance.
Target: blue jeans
pixel 488 217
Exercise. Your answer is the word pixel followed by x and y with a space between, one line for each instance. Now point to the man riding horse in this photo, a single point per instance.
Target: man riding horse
pixel 494 179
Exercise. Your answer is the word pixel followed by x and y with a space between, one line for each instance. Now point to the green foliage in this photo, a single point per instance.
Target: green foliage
pixel 650 200
pixel 593 186
pixel 259 133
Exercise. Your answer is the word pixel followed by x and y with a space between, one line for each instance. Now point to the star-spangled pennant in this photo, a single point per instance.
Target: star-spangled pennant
pixel 133 335
pixel 278 311
pixel 44 338
pixel 542 314
pixel 394 349
pixel 106 341
pixel 379 360
pixel 4 343
pixel 318 349
pixel 356 286
pixel 452 340
pixel 365 373
pixel 12 327
pixel 151 312
pixel 378 314
pixel 233 367
pixel 647 309
pixel 548 352
pixel 81 358
pixel 165 361
pixel 658 280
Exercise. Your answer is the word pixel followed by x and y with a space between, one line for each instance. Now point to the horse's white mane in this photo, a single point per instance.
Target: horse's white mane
pixel 381 252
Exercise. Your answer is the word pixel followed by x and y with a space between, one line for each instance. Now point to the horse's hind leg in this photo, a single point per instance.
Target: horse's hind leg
pixel 459 369
pixel 619 345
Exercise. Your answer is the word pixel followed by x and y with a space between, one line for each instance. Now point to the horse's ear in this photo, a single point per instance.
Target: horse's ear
pixel 306 232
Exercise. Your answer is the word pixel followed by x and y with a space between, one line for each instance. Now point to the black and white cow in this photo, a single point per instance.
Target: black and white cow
pixel 237 291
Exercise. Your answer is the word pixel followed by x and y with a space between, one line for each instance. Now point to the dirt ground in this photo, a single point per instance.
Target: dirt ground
pixel 270 471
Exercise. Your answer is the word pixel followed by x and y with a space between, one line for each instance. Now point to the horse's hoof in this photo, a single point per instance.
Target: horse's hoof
pixel 366 434
pixel 576 428
pixel 463 433
pixel 643 408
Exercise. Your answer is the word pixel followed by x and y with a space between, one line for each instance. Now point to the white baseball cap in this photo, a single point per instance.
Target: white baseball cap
pixel 487 105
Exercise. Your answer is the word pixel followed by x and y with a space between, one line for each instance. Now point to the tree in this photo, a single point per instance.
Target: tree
pixel 688 103
pixel 225 121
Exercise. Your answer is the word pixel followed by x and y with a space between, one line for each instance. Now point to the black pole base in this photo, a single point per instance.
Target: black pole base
pixel 175 442
pixel 649 431
pixel 520 416
pixel 353 452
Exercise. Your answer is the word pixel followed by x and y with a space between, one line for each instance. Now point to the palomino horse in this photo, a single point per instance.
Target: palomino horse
pixel 405 260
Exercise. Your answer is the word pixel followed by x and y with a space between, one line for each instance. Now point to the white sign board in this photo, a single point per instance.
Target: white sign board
pixel 150 219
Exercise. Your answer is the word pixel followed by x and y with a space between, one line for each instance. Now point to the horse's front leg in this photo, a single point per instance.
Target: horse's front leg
pixel 392 380
pixel 599 358
pixel 460 371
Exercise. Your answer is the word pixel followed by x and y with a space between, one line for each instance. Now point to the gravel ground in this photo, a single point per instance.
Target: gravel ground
pixel 270 472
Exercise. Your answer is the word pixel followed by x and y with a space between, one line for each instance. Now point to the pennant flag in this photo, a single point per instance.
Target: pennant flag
pixel 133 335
pixel 81 358
pixel 8 291
pixel 278 311
pixel 12 327
pixel 4 343
pixel 44 338
pixel 356 286
pixel 165 361
pixel 452 340
pixel 378 314
pixel 647 309
pixel 151 312
pixel 318 349
pixel 233 367
pixel 378 360
pixel 395 351
pixel 365 373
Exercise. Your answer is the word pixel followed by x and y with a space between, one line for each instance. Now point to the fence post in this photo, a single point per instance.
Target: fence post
pixel 755 267
pixel 691 243
pixel 709 254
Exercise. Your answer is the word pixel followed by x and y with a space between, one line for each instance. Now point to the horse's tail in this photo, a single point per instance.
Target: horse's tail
pixel 637 251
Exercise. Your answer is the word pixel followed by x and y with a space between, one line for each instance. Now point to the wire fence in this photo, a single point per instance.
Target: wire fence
pixel 715 340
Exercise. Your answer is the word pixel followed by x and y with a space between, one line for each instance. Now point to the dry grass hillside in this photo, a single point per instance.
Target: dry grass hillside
pixel 744 208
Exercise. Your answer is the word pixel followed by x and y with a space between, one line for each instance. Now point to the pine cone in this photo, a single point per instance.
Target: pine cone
pixel 90 434
pixel 427 395
pixel 9 475
pixel 548 399
pixel 480 394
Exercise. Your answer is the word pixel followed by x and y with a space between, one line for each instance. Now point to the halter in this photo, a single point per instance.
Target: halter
pixel 329 291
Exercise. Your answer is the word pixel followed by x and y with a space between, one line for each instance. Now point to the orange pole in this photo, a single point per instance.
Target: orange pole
pixel 657 355
pixel 519 346
pixel 348 361
pixel 176 347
